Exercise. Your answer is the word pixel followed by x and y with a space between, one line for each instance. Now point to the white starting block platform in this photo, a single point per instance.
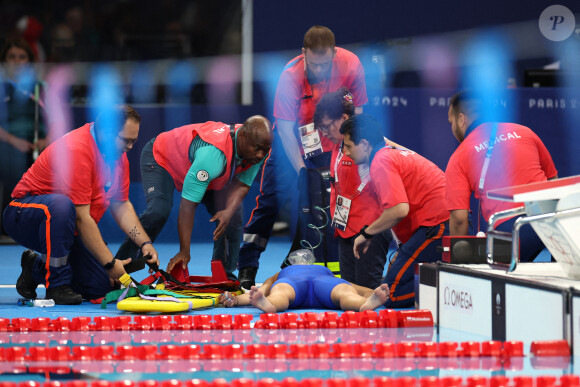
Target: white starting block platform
pixel 517 301
pixel 536 301
pixel 552 208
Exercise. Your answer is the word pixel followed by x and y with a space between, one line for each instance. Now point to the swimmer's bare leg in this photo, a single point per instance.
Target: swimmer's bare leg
pixel 378 298
pixel 280 297
pixel 347 298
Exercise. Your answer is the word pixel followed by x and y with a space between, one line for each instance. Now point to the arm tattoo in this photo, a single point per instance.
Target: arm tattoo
pixel 133 233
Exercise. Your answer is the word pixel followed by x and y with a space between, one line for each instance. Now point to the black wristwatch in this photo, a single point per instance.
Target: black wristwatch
pixel 364 233
pixel 110 265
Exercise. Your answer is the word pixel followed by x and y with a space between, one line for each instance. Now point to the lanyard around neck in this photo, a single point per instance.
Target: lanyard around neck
pixel 363 172
pixel 487 157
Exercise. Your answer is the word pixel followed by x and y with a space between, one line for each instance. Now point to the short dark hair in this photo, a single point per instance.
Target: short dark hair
pixel 319 39
pixel 479 106
pixel 20 43
pixel 334 105
pixel 465 102
pixel 128 112
pixel 363 126
pixel 125 113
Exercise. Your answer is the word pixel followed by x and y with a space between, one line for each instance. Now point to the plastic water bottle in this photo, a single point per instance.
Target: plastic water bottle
pixel 39 302
pixel 42 303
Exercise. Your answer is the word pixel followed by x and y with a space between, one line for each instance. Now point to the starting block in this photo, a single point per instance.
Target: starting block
pixel 470 249
pixel 552 208
pixel 535 301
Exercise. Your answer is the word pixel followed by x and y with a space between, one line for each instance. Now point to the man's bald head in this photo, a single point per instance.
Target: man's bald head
pixel 255 139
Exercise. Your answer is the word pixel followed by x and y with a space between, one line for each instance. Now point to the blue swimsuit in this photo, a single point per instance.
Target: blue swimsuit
pixel 312 285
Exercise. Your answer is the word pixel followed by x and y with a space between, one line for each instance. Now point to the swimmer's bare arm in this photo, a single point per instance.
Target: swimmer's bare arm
pixel 228 299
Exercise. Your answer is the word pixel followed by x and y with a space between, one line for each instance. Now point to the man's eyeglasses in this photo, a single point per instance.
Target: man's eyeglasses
pixel 128 141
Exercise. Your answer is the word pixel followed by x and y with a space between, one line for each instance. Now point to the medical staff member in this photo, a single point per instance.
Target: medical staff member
pixel 353 201
pixel 517 157
pixel 211 163
pixel 59 201
pixel 411 191
pixel 321 68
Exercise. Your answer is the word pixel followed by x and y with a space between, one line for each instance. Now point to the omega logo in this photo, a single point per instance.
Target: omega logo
pixel 457 298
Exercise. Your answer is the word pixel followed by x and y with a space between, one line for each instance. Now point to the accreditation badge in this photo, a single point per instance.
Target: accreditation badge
pixel 341 211
pixel 310 139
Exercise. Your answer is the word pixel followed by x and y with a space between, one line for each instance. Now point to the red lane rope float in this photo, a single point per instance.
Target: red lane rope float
pixel 264 351
pixel 386 318
pixel 380 381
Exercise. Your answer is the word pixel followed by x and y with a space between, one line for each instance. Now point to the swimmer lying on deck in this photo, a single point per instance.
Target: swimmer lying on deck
pixel 308 286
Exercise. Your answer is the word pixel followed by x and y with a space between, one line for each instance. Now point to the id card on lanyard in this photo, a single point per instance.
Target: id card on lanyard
pixel 343 203
pixel 310 139
pixel 309 135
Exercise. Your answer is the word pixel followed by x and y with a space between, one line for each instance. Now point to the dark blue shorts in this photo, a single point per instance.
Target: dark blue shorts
pixel 312 285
